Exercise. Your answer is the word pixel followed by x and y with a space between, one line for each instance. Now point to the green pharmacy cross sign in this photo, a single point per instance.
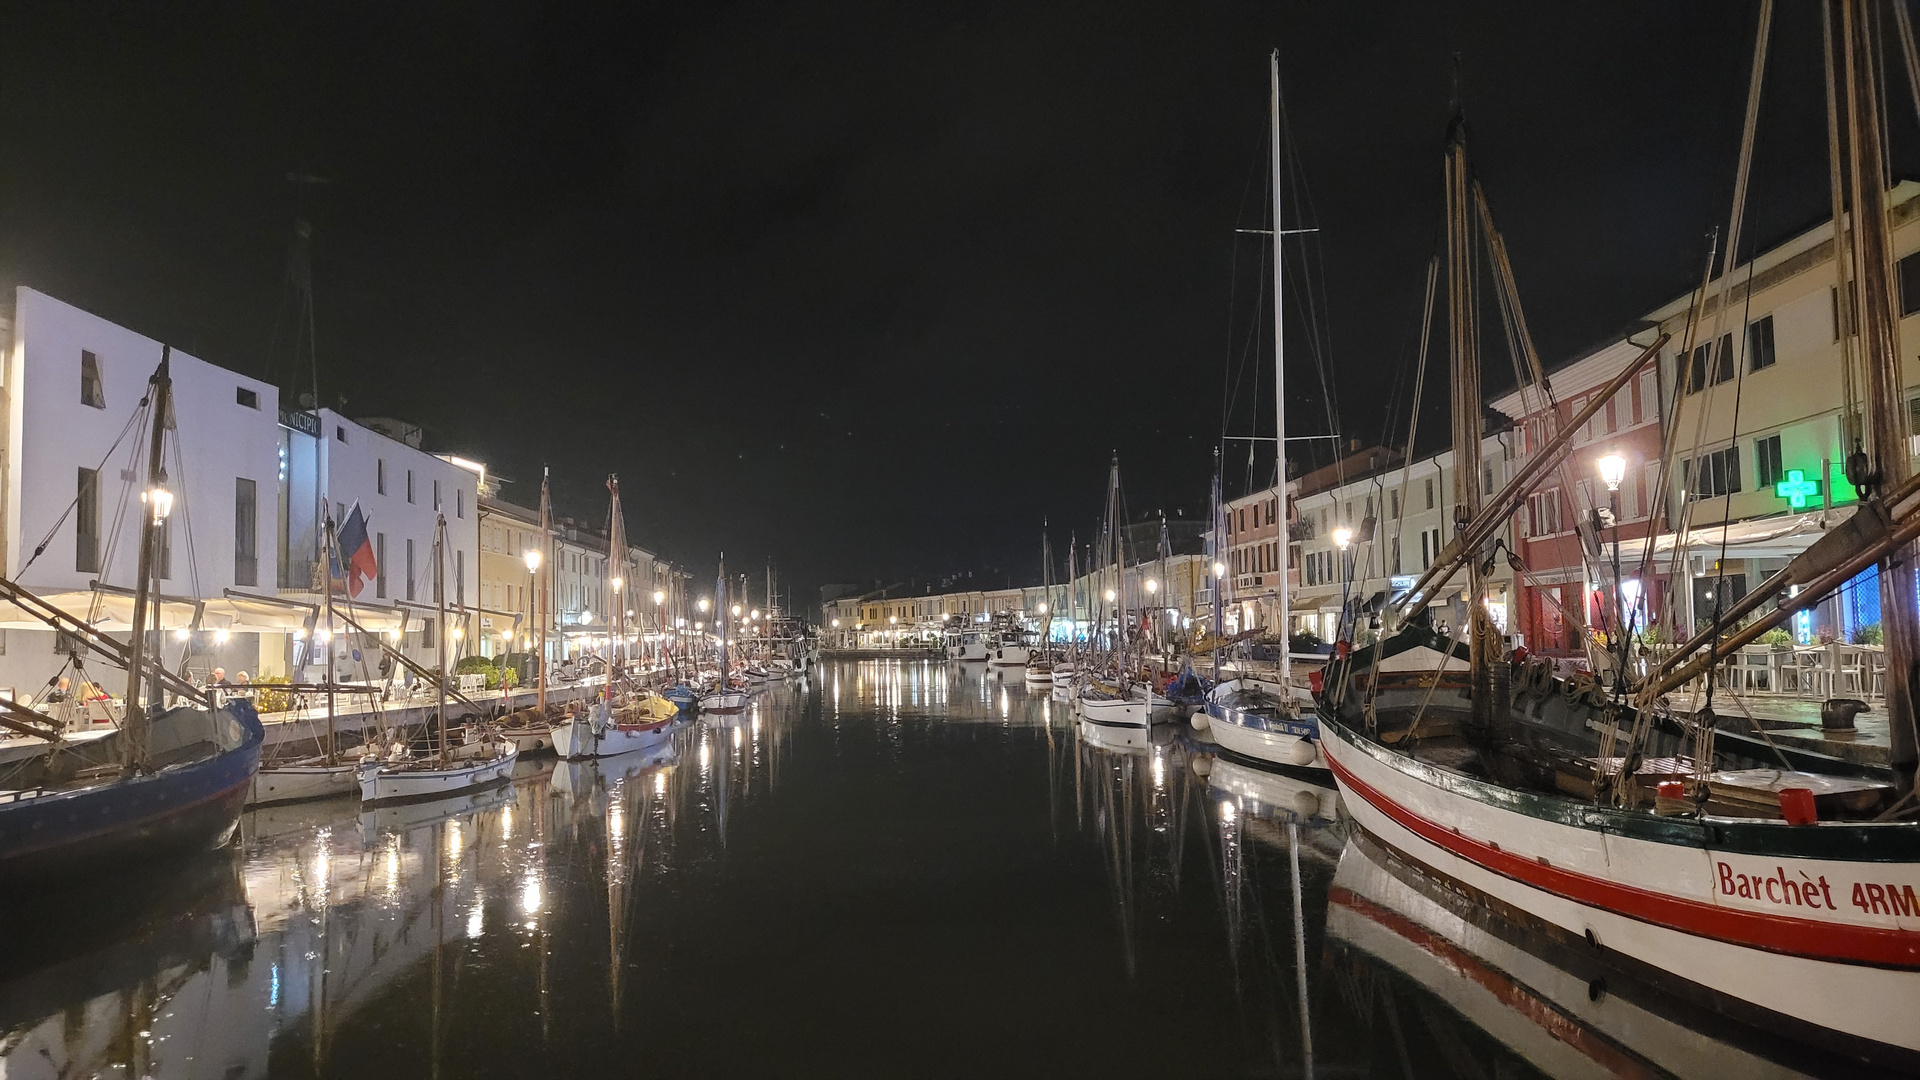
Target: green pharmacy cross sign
pixel 1796 488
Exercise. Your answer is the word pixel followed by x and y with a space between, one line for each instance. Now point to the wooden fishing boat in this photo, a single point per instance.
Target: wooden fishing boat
pixel 637 726
pixel 1255 719
pixel 168 781
pixel 1779 886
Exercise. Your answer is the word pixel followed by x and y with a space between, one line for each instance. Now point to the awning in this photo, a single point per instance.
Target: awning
pixel 290 611
pixel 1758 538
pixel 114 612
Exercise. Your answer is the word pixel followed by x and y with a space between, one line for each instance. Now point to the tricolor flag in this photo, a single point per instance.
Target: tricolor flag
pixel 354 563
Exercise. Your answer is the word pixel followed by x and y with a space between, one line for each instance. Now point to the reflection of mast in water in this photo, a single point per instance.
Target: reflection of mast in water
pixel 439 940
pixel 1240 900
pixel 1112 796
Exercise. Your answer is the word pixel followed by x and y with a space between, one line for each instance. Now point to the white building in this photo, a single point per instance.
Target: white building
pixel 249 482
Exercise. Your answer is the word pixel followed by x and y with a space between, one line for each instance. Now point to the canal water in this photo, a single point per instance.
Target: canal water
pixel 888 869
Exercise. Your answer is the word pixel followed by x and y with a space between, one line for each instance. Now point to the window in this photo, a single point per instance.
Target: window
pixel 340 433
pixel 246 564
pixel 246 397
pixel 379 476
pixel 1429 492
pixel 93 392
pixel 426 632
pixel 1543 510
pixel 1766 463
pixel 409 485
pixel 436 494
pixel 86 523
pixel 1396 554
pixel 1393 501
pixel 1646 404
pixel 1426 552
pixel 460 579
pixel 1760 343
pixel 380 565
pixel 1715 474
pixel 1710 367
pixel 1910 284
pixel 460 502
pixel 410 587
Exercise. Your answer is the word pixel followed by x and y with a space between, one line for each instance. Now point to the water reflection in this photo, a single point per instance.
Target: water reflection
pixel 837 880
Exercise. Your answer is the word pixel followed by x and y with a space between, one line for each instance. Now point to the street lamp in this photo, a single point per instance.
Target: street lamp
pixel 659 597
pixel 836 624
pixel 532 557
pixel 736 611
pixel 1613 469
pixel 1152 586
pixel 1219 570
pixel 161 500
pixel 1342 536
pixel 705 603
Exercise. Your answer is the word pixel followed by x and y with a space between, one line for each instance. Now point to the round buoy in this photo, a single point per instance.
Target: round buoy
pixel 1299 753
pixel 1306 803
pixel 1202 765
pixel 1200 721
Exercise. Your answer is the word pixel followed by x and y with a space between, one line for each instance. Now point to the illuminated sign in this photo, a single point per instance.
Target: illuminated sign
pixel 1796 489
pixel 1400 582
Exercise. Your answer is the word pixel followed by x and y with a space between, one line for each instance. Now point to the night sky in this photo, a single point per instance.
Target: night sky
pixel 866 289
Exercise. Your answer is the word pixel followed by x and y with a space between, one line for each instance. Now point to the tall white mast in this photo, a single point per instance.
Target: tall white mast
pixel 1280 388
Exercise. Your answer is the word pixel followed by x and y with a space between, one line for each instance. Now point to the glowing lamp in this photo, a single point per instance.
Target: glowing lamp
pixel 1613 469
pixel 1343 537
pixel 532 558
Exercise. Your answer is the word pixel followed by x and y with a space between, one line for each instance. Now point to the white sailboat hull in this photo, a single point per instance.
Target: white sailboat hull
pixel 727 702
pixel 576 739
pixel 384 783
pixel 297 783
pixel 967 651
pixel 1126 713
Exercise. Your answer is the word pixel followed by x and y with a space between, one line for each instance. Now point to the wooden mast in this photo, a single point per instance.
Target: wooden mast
pixel 153 511
pixel 440 633
pixel 544 597
pixel 1883 462
pixel 616 583
pixel 332 548
pixel 1463 352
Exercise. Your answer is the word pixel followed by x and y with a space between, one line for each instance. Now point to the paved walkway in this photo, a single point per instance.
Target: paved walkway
pixel 1797 721
pixel 352 712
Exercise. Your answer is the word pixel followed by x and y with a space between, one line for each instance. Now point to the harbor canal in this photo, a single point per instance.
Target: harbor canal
pixel 888 868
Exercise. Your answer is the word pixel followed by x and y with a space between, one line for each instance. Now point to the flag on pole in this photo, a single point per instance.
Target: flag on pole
pixel 354 564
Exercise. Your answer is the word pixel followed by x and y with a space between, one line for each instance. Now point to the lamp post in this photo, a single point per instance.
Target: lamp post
pixel 1613 469
pixel 532 558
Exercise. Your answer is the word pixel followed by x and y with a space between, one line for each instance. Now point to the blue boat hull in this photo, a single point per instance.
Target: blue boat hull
pixel 186 807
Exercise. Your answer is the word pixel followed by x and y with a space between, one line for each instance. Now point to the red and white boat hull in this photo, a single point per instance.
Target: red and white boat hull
pixel 1830 942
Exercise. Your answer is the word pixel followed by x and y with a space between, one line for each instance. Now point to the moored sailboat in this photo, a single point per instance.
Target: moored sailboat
pixel 1779 888
pixel 398 775
pixel 170 780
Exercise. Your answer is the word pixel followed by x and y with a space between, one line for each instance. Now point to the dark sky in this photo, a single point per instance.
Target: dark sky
pixel 867 289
